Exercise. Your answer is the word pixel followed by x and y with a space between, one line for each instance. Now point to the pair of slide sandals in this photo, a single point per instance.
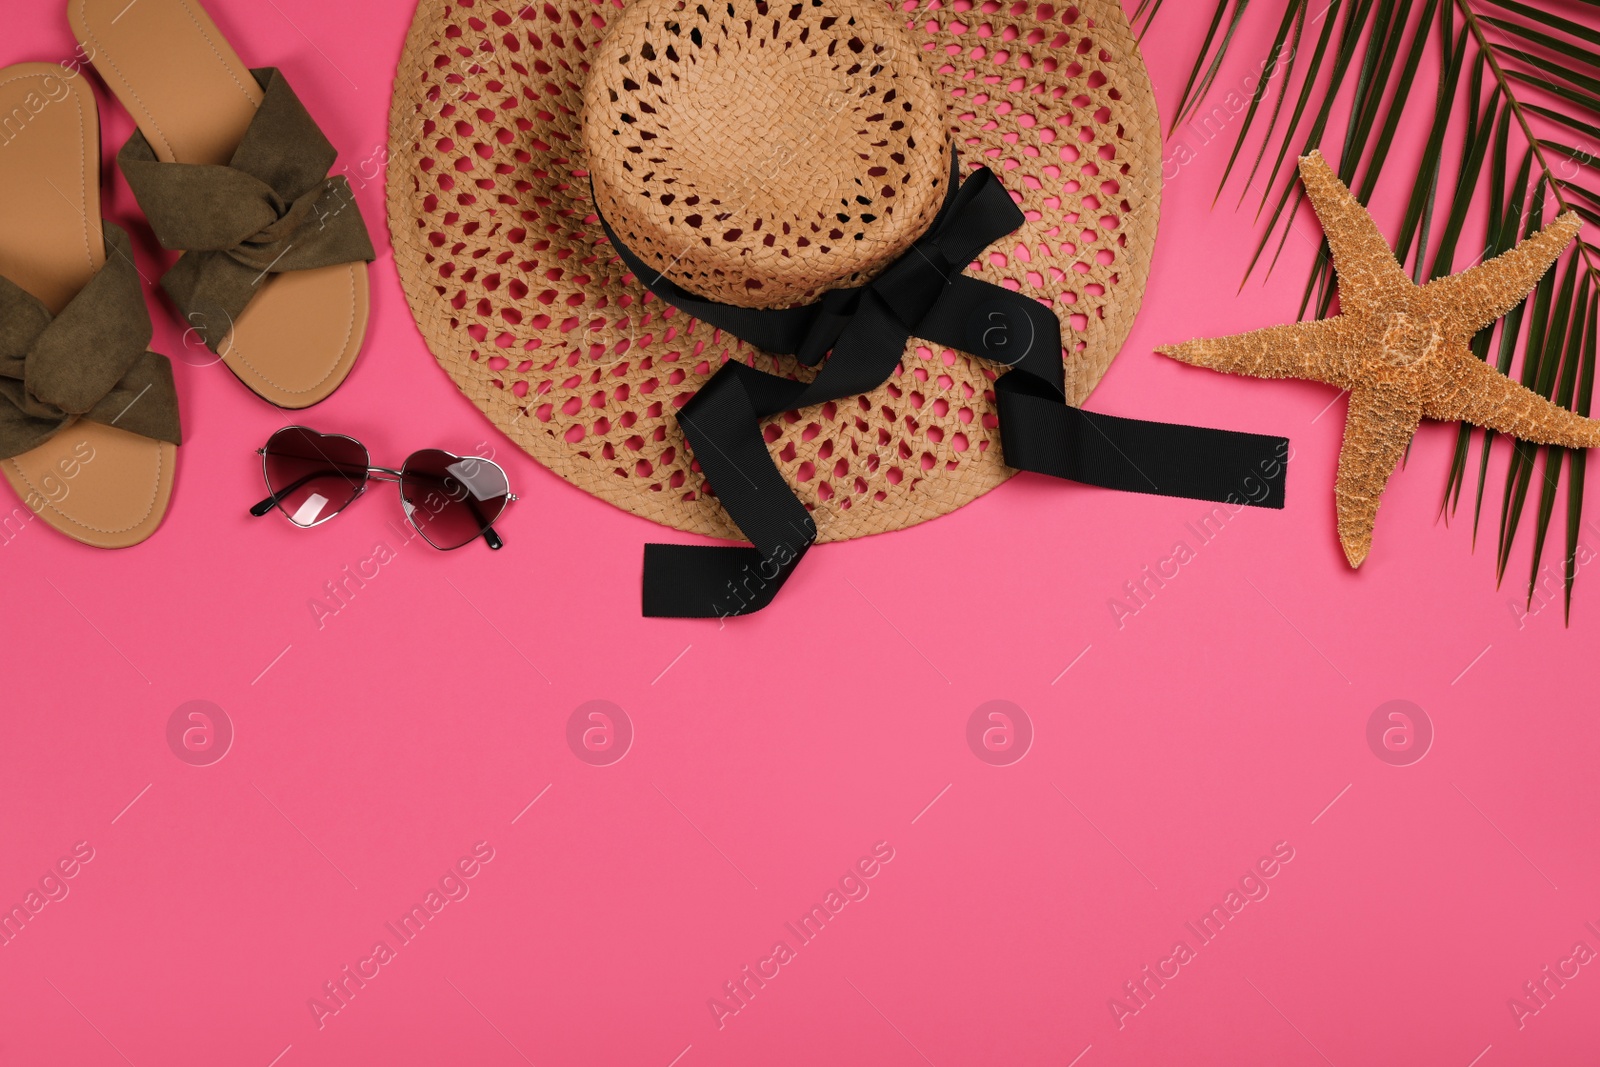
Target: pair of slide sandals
pixel 232 172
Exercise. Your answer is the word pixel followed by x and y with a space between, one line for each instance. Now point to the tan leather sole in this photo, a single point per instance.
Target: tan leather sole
pixel 193 99
pixel 100 485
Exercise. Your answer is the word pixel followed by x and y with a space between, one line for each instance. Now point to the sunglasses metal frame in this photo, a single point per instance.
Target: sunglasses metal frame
pixel 382 474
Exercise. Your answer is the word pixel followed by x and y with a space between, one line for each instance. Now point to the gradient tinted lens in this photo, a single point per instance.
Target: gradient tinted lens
pixel 451 500
pixel 313 477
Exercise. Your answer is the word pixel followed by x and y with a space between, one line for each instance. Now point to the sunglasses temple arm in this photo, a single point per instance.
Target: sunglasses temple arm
pixel 272 501
pixel 488 531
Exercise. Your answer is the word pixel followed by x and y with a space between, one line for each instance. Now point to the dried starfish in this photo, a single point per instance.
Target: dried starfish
pixel 1400 351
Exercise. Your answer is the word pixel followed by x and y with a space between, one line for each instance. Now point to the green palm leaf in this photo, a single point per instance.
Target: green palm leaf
pixel 1520 87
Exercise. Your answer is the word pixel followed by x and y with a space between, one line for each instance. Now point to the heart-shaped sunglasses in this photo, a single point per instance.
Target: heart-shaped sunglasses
pixel 450 500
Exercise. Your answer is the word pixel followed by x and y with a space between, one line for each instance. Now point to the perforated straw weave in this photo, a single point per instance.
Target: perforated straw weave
pixel 522 300
pixel 760 154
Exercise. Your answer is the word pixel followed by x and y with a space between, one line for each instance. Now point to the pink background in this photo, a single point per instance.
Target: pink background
pixel 371 753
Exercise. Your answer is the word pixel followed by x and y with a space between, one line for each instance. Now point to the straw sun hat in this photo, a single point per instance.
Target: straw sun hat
pixel 593 201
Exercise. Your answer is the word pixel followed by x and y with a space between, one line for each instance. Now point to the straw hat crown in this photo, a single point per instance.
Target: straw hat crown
pixel 760 153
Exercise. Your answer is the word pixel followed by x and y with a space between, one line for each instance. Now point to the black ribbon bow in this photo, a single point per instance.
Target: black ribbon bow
pixel 923 294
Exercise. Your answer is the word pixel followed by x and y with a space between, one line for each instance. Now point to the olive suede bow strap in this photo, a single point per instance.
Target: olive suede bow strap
pixel 922 294
pixel 87 362
pixel 271 209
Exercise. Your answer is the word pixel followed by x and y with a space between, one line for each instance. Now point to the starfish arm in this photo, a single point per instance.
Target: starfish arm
pixel 1463 388
pixel 1379 426
pixel 1473 299
pixel 1309 350
pixel 1368 272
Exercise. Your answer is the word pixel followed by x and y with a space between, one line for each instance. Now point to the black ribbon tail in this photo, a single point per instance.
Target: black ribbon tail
pixel 700 582
pixel 1135 456
pixel 723 425
pixel 1041 433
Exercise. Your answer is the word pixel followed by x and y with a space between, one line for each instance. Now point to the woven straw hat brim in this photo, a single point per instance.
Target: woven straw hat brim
pixel 524 303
